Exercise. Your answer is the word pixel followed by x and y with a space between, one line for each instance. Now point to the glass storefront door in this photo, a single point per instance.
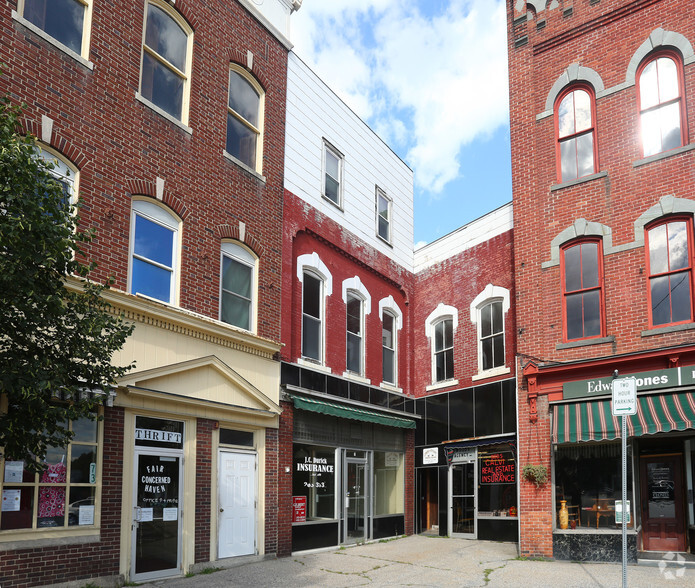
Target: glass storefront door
pixel 462 484
pixel 156 522
pixel 157 498
pixel 357 498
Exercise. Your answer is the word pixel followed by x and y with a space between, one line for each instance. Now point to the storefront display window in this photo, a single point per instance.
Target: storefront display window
pixel 389 483
pixel 589 478
pixel 314 478
pixel 63 494
pixel 496 482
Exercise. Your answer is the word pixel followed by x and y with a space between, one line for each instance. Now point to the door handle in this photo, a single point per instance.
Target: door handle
pixel 221 510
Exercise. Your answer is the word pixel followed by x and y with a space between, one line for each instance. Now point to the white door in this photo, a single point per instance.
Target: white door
pixel 237 504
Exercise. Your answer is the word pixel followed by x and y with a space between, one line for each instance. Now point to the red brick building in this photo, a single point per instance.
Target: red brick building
pixel 464 382
pixel 602 115
pixel 347 423
pixel 167 121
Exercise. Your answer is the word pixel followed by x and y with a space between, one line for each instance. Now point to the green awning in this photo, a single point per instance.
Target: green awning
pixel 351 412
pixel 594 421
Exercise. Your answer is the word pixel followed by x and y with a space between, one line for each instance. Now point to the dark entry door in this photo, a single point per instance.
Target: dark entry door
pixel 663 519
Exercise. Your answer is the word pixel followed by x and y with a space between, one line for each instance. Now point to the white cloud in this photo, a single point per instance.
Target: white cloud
pixel 429 84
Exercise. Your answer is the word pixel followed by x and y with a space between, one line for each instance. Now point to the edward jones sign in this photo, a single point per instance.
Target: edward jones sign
pixel 670 378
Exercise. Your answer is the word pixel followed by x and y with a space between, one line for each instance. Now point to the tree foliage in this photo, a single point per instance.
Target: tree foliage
pixel 56 341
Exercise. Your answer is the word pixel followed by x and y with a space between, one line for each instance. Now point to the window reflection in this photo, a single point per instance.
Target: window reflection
pixel 243 117
pixel 575 134
pixel 582 290
pixel 164 61
pixel 61 19
pixel 669 285
pixel 660 106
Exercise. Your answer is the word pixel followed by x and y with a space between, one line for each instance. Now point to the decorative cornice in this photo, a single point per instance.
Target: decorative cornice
pixel 592 25
pixel 145 311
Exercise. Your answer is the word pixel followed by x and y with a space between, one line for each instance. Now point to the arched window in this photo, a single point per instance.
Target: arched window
pixel 245 119
pixel 388 348
pixel 317 285
pixel 238 286
pixel 576 143
pixel 354 359
pixel 661 103
pixel 154 245
pixel 582 289
pixel 63 172
pixel 670 262
pixel 166 60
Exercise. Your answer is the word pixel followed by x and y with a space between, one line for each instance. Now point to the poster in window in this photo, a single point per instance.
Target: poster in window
pixel 11 500
pixel 14 470
pixel 86 514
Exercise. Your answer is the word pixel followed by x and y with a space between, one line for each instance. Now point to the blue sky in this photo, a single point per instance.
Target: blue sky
pixel 430 77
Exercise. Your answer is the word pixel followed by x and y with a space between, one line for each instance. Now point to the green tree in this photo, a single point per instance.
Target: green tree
pixel 57 333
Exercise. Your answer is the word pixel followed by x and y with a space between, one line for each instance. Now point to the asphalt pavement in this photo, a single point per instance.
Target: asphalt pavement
pixel 428 561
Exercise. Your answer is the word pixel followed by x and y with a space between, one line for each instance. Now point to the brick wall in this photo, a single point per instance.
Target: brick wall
pixel 121 146
pixel 602 36
pixel 203 488
pixel 284 493
pixel 308 231
pixel 456 282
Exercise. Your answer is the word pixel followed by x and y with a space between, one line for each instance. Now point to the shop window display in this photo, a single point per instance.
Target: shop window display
pixel 389 483
pixel 589 478
pixel 314 478
pixel 496 482
pixel 63 494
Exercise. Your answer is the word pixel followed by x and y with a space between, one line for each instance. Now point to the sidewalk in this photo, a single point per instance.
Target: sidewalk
pixel 430 561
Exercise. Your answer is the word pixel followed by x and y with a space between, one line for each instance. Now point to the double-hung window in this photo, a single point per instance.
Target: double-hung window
pixel 312 317
pixel 166 60
pixel 576 137
pixel 443 350
pixel 355 329
pixel 661 104
pixel 582 285
pixel 332 175
pixel 491 323
pixel 64 494
pixel 244 119
pixel 670 260
pixel 154 252
pixel 383 216
pixel 237 286
pixel 388 348
pixel 65 21
pixel 64 174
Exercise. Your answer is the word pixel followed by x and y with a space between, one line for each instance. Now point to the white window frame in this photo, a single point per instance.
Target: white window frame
pixel 62 170
pixel 311 263
pixel 354 286
pixel 258 164
pixel 380 194
pixel 442 312
pixel 490 294
pixel 83 55
pixel 353 295
pixel 161 216
pixel 244 256
pixel 185 75
pixel 328 148
pixel 388 306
